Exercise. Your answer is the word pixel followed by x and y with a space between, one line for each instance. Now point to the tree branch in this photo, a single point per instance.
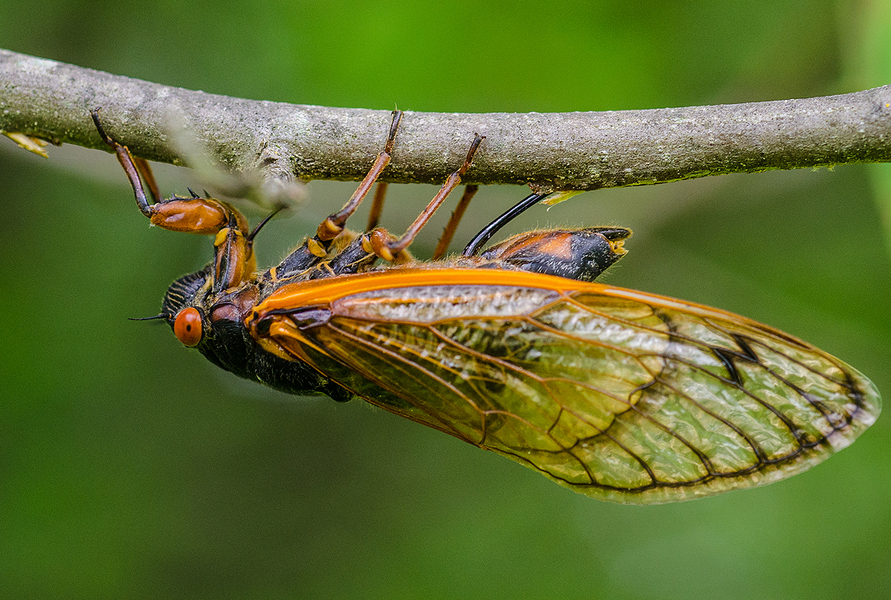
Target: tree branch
pixel 585 150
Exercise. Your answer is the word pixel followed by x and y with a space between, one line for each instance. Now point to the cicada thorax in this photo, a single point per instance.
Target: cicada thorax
pixel 346 254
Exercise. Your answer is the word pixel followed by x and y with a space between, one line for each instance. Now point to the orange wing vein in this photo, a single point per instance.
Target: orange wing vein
pixel 620 395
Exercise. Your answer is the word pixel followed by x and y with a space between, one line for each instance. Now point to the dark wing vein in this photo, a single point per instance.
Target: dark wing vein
pixel 399 359
pixel 612 396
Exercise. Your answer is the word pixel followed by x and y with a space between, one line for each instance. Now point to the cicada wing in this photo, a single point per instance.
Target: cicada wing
pixel 619 395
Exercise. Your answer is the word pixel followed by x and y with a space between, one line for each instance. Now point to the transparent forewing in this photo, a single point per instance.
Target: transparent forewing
pixel 619 395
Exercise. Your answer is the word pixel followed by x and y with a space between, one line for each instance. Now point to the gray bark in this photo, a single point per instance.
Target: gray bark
pixel 555 151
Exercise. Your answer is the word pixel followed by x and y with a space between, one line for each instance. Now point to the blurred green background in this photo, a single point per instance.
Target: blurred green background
pixel 131 468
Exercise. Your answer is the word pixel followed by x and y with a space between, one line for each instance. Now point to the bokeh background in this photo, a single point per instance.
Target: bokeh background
pixel 131 468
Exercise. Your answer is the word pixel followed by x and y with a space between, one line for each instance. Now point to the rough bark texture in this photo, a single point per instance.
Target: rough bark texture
pixel 584 150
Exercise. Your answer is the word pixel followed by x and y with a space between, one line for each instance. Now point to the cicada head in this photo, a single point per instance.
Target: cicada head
pixel 213 323
pixel 210 322
pixel 182 304
pixel 182 292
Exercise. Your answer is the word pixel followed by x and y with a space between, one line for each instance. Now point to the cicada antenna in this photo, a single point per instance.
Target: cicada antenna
pixel 163 316
pixel 260 225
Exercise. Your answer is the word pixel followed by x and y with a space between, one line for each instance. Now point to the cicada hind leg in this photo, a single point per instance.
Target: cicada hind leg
pixel 385 246
pixel 233 244
pixel 333 250
pixel 378 241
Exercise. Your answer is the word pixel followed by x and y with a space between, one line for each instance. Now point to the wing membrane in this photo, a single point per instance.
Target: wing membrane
pixel 619 395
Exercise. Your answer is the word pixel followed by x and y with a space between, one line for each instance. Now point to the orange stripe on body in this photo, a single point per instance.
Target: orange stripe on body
pixel 323 292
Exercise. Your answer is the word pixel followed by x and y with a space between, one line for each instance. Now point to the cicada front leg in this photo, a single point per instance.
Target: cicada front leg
pixel 234 260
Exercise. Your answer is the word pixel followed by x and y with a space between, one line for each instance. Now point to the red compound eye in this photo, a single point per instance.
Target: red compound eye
pixel 187 327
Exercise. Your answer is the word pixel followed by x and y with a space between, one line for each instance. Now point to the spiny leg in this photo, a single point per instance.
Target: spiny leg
pixel 190 215
pixel 377 205
pixel 126 160
pixel 233 252
pixel 449 231
pixel 148 178
pixel 331 227
pixel 380 243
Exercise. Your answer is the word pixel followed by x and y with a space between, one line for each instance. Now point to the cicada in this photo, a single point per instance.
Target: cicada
pixel 618 394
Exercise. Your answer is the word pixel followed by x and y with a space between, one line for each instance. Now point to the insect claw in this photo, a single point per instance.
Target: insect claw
pixel 477 140
pixel 105 137
pixel 128 163
pixel 394 126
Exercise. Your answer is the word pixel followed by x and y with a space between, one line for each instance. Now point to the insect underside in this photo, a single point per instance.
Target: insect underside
pixel 618 394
